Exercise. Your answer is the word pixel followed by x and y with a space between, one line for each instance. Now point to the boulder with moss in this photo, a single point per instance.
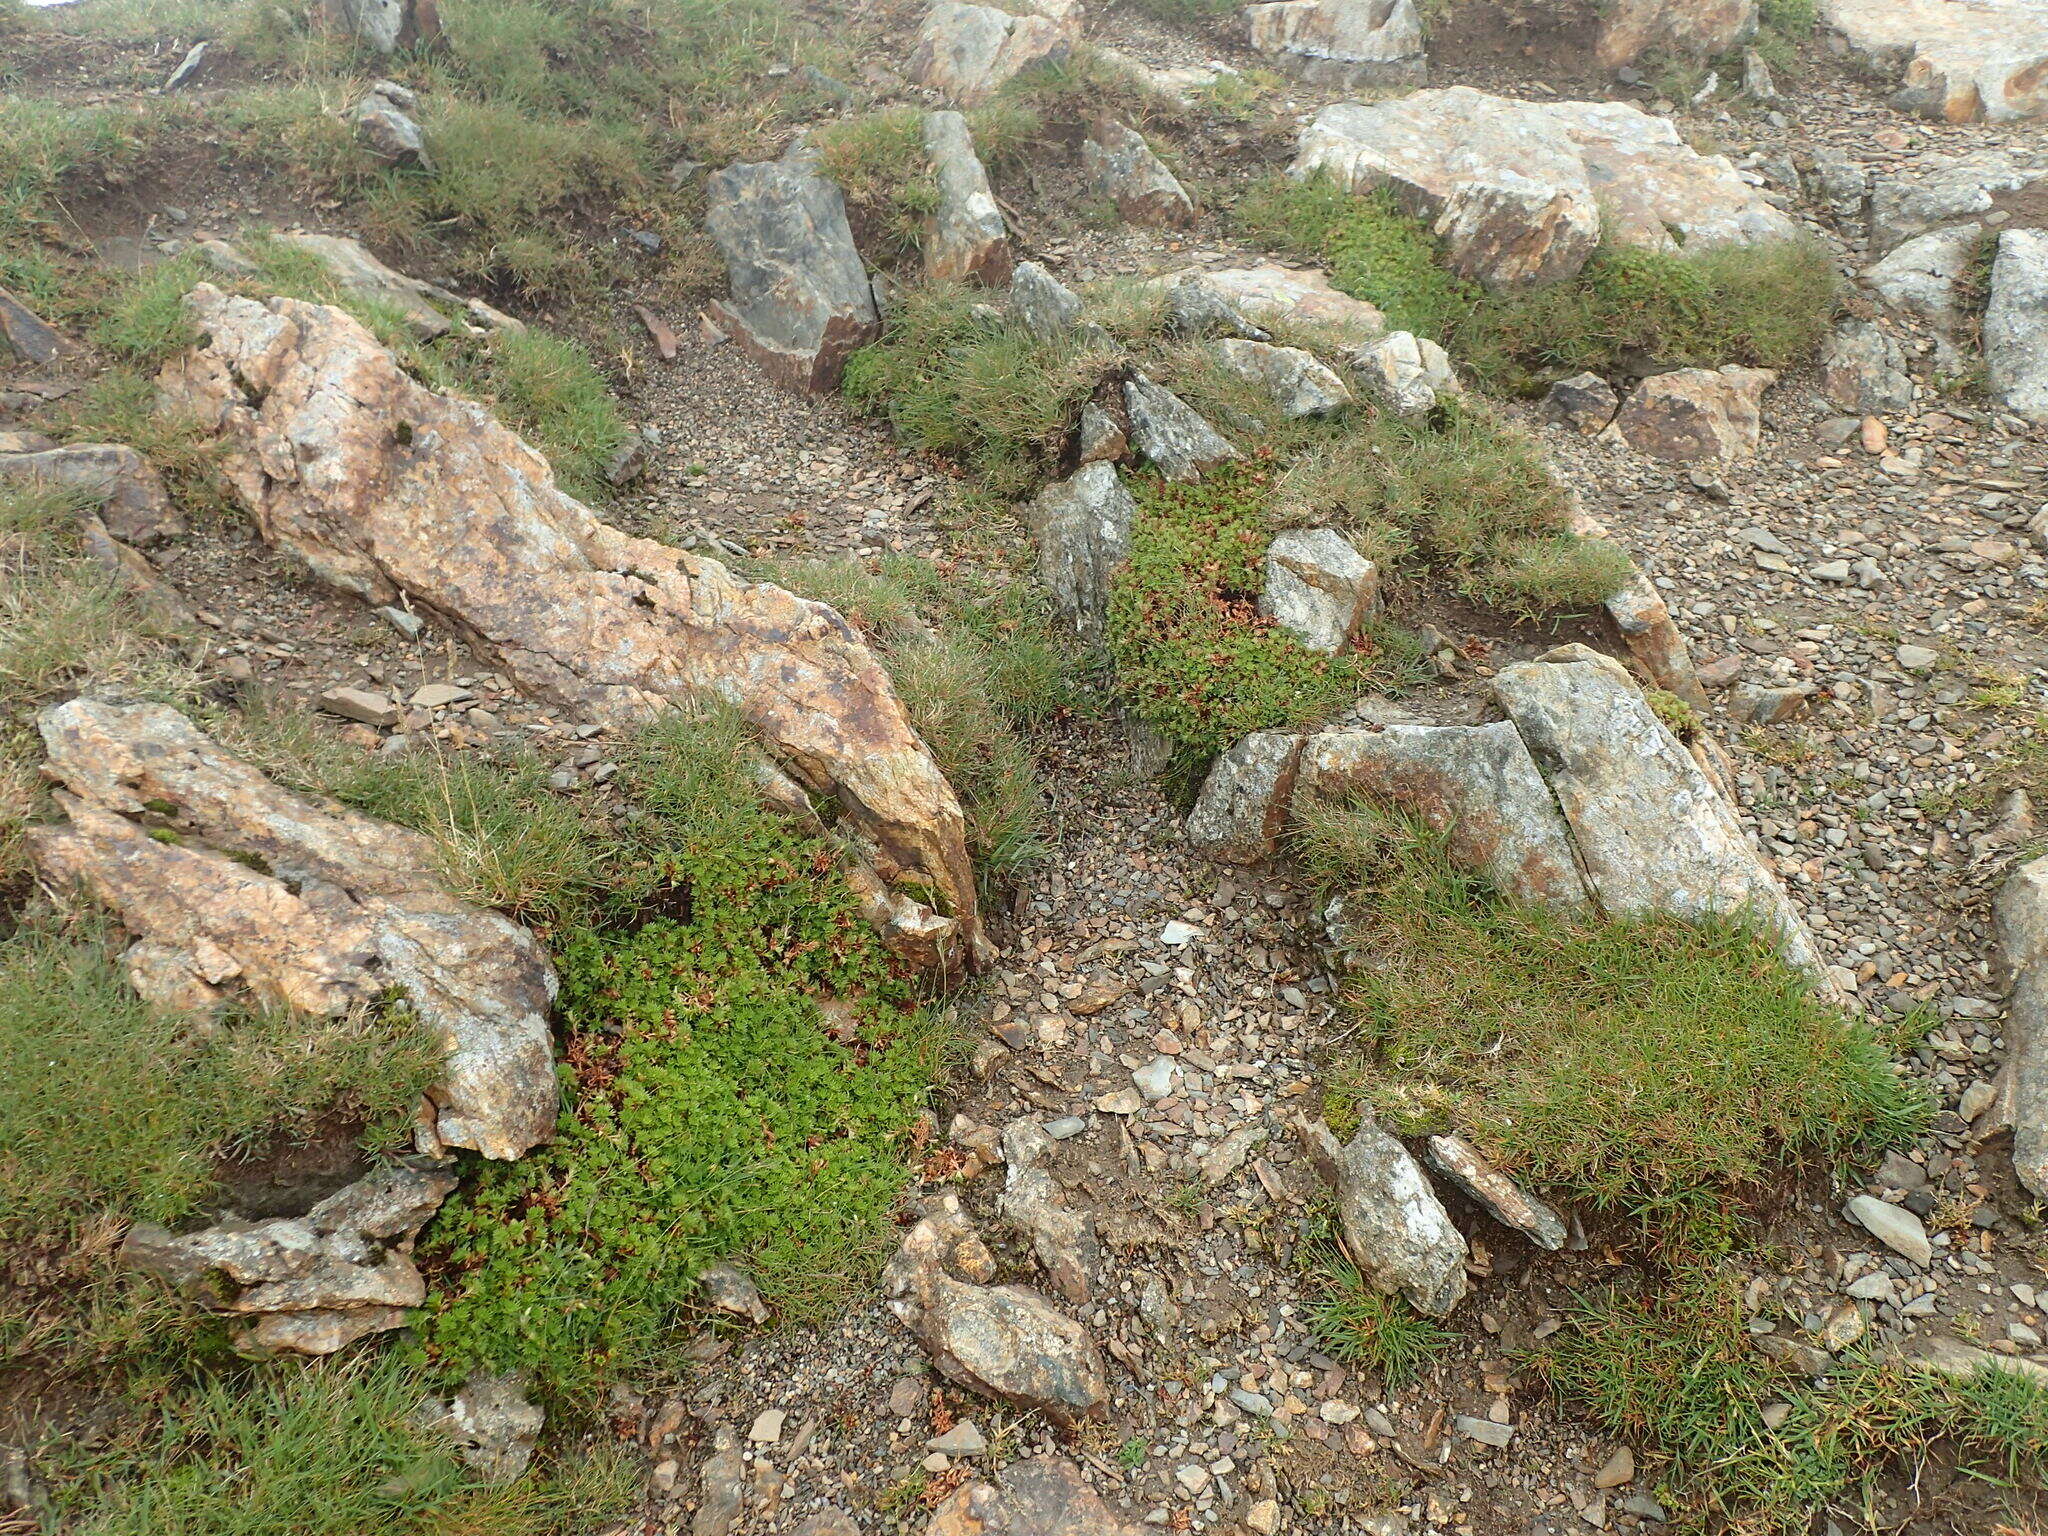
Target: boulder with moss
pixel 1269 291
pixel 967 237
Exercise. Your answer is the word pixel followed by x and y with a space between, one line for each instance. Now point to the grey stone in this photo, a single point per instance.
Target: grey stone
pixel 385 127
pixel 1046 306
pixel 722 1487
pixel 1395 1228
pixel 1101 438
pixel 1863 369
pixel 1918 280
pixel 1406 373
pixel 24 333
pixel 963 1439
pixel 967 238
pixel 1121 166
pixel 1584 402
pixel 1984 60
pixel 2016 324
pixel 1180 444
pixel 2020 917
pixel 1032 1202
pixel 1039 1496
pixel 1082 526
pixel 731 1290
pixel 1298 384
pixel 1894 1226
pixel 1347 44
pixel 384 26
pixel 119 483
pixel 1318 587
pixel 967 52
pixel 1197 307
pixel 1697 413
pixel 1242 810
pixel 494 1426
pixel 1511 1205
pixel 1485 1431
pixel 1965 187
pixel 188 68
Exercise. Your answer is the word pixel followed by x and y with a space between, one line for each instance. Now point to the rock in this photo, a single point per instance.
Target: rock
pixel 363 275
pixel 1319 587
pixel 1039 1496
pixel 494 1426
pixel 1863 369
pixel 1967 186
pixel 1690 29
pixel 24 334
pixel 1406 373
pixel 1477 784
pixel 1758 83
pixel 1768 706
pixel 188 68
pixel 1004 1341
pixel 2016 324
pixel 1918 280
pixel 1121 166
pixel 363 705
pixel 1917 658
pixel 1465 1166
pixel 1156 1079
pixel 628 462
pixel 1624 175
pixel 1243 809
pixel 1395 1228
pixel 800 296
pixel 1651 832
pixel 121 485
pixel 1082 526
pixel 964 52
pixel 1957 61
pixel 468 523
pixel 731 1290
pixel 963 1439
pixel 385 26
pixel 307 1284
pixel 158 601
pixel 2020 917
pixel 1032 1202
pixel 722 1486
pixel 1512 232
pixel 385 127
pixel 967 236
pixel 1197 307
pixel 767 1426
pixel 341 910
pixel 1299 384
pixel 1041 302
pixel 1894 1226
pixel 1168 432
pixel 1347 44
pixel 1100 438
pixel 1839 184
pixel 1697 413
pixel 1955 1359
pixel 1485 1431
pixel 1229 1155
pixel 1269 291
pixel 1618 1470
pixel 1585 402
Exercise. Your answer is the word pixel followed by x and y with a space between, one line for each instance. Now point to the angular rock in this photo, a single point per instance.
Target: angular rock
pixel 1082 526
pixel 1697 413
pixel 1040 1496
pixel 1033 1203
pixel 801 300
pixel 1166 430
pixel 1918 279
pixel 967 236
pixel 157 599
pixel 1045 306
pixel 364 275
pixel 1269 291
pixel 1395 1228
pixel 1512 232
pixel 309 1284
pixel 1319 587
pixel 1964 187
pixel 1584 402
pixel 1894 1226
pixel 1863 370
pixel 1121 166
pixel 1958 61
pixel 1651 833
pixel 494 1425
pixel 1623 172
pixel 722 1487
pixel 23 333
pixel 1343 43
pixel 468 523
pixel 121 485
pixel 1100 438
pixel 1298 383
pixel 1642 620
pixel 1406 373
pixel 1477 784
pixel 341 910
pixel 965 52
pixel 1953 1358
pixel 1197 307
pixel 1004 1341
pixel 731 1290
pixel 2016 324
pixel 1505 1200
pixel 1690 29
pixel 385 127
pixel 2021 918
pixel 385 26
pixel 1243 809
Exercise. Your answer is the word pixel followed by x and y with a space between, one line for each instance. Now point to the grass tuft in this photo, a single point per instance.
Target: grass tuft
pixel 1364 1327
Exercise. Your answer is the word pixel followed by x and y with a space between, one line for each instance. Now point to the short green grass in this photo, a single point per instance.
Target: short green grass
pixel 878 161
pixel 1359 1324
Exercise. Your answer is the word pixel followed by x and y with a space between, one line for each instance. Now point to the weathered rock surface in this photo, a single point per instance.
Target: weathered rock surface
pixel 1247 799
pixel 120 483
pixel 1406 373
pixel 24 333
pixel 2021 918
pixel 1697 413
pixel 1584 402
pixel 1004 1341
pixel 493 1424
pixel 1319 587
pixel 1033 1202
pixel 465 520
pixel 1046 306
pixel 1121 166
pixel 1511 232
pixel 340 910
pixel 801 300
pixel 1620 172
pixel 1082 526
pixel 967 238
pixel 385 26
pixel 364 275
pixel 2016 324
pixel 964 52
pixel 1511 1205
pixel 1269 291
pixel 384 125
pixel 1966 187
pixel 731 1290
pixel 1040 1496
pixel 1863 369
pixel 1343 43
pixel 306 1284
pixel 1197 307
pixel 1395 1228
pixel 1168 431
pixel 1298 383
pixel 1918 279
pixel 1692 29
pixel 1958 61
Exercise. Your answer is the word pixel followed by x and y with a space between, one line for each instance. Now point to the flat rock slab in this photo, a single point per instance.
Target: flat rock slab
pixel 1041 1496
pixel 306 905
pixel 1959 61
pixel 2016 324
pixel 118 482
pixel 1343 43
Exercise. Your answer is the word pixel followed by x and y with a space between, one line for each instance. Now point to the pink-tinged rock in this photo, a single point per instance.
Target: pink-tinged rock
pixel 1040 1496
pixel 966 52
pixel 1302 296
pixel 1692 29
pixel 1958 61
pixel 1343 43
pixel 1697 413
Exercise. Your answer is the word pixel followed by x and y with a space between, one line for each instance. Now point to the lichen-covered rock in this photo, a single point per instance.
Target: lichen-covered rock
pixel 1697 413
pixel 1621 172
pixel 120 483
pixel 336 911
pixel 1247 798
pixel 1169 432
pixel 967 237
pixel 965 52
pixel 1062 1238
pixel 1919 278
pixel 1396 1230
pixel 1584 402
pixel 383 488
pixel 385 127
pixel 385 26
pixel 1039 1496
pixel 1298 383
pixel 493 1424
pixel 1957 61
pixel 1197 307
pixel 2021 918
pixel 1082 526
pixel 1692 29
pixel 1270 291
pixel 1406 373
pixel 1511 232
pixel 1965 187
pixel 801 300
pixel 1121 166
pixel 1863 369
pixel 2016 324
pixel 1044 305
pixel 1319 587
pixel 1343 43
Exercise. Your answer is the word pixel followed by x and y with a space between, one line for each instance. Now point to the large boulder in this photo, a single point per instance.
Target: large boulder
pixel 1406 373
pixel 1319 588
pixel 1122 167
pixel 1693 29
pixel 1395 1228
pixel 1958 61
pixel 1590 167
pixel 1082 526
pixel 2016 324
pixel 1343 43
pixel 965 52
pixel 1919 279
pixel 967 237
pixel 1039 1496
pixel 385 489
pixel 1697 413
pixel 296 904
pixel 801 300
pixel 2021 918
